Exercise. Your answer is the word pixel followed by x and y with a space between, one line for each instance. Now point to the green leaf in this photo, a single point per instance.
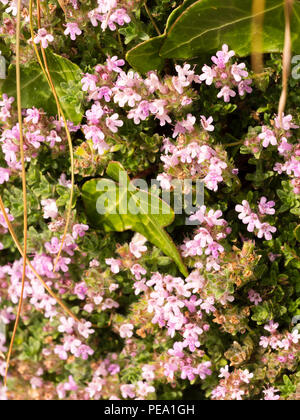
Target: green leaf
pixel 145 56
pixel 37 93
pixel 206 24
pixel 297 233
pixel 117 199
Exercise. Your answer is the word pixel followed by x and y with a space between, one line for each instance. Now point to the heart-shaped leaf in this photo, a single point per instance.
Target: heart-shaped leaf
pixel 117 205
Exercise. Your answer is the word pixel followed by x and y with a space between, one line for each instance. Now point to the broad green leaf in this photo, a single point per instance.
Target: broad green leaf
pixel 145 56
pixel 207 24
pixel 36 91
pixel 118 196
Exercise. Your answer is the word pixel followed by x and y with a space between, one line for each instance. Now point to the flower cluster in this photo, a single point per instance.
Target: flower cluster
pixel 226 76
pixel 233 385
pixel 110 13
pixel 254 221
pixel 280 135
pixel 206 242
pixel 192 159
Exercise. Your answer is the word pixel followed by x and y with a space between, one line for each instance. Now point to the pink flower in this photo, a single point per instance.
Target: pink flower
pixel 126 330
pixel 265 207
pixel 80 290
pixel 269 394
pixel 79 230
pixel 33 115
pixel 244 87
pixel 53 138
pixel 137 245
pixel 114 64
pixel 271 327
pixel 43 37
pixel 286 124
pixel 66 325
pixel 237 71
pixel 265 230
pixel 114 264
pixel 224 372
pixel 4 175
pixel 72 29
pixel 264 342
pixel 84 329
pixel 246 376
pixel 143 389
pixel 127 391
pixel 227 93
pixel 138 271
pixel 165 181
pixel 207 123
pixel 208 75
pixel 223 57
pixel 254 297
pixel 89 82
pixel 50 208
pixel 113 123
pixel 268 137
pixel 244 210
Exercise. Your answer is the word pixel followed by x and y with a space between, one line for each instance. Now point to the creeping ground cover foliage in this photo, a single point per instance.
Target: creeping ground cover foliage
pixel 153 106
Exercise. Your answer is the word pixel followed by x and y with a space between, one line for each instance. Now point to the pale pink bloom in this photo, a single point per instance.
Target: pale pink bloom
pixel 286 123
pixel 238 71
pixel 224 372
pixel 127 390
pixel 50 208
pixel 207 123
pixel 33 115
pixel 244 209
pixel 84 329
pixel 227 93
pixel 79 230
pixel 53 138
pixel 137 245
pixel 114 64
pixel 143 389
pixel 66 325
pixel 114 264
pixel 246 376
pixel 208 75
pixel 285 147
pixel 266 230
pixel 245 87
pixel 165 181
pixel 266 207
pixel 73 30
pixel 137 270
pixel 89 82
pixel 271 327
pixel 113 123
pixel 223 57
pixel 4 175
pixel 126 330
pixel 268 137
pixel 264 342
pixel 43 37
pixel 254 297
pixel 269 394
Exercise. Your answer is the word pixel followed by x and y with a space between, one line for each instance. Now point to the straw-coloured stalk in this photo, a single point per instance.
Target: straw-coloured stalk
pixel 287 57
pixel 257 57
pixel 23 175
